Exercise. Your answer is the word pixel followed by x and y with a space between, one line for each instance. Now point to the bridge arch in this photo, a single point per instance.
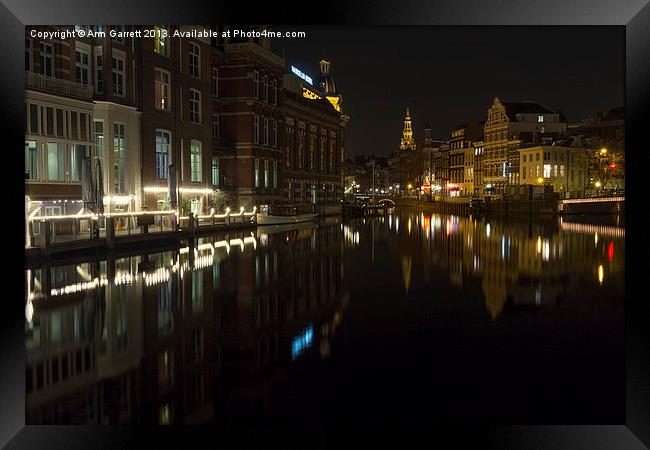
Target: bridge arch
pixel 386 200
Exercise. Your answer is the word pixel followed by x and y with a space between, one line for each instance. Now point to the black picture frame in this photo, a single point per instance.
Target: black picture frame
pixel 633 15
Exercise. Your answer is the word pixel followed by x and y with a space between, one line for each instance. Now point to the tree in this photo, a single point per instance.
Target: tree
pixel 606 164
pixel 219 200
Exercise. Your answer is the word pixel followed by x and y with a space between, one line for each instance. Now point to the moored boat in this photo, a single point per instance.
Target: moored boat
pixel 279 214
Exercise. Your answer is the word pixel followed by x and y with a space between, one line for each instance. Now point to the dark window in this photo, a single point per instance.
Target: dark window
pixel 83 125
pixel 33 118
pixel 59 122
pixel 73 125
pixel 50 121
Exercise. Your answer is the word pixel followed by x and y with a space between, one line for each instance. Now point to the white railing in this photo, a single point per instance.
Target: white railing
pixel 58 85
pixel 66 228
pixel 593 200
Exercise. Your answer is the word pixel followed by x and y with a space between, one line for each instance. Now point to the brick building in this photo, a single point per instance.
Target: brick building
pixel 250 141
pixel 314 128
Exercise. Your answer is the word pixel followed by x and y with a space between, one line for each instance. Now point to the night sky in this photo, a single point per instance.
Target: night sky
pixel 450 75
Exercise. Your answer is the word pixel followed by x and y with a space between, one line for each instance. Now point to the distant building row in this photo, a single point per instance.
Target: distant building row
pixel 518 144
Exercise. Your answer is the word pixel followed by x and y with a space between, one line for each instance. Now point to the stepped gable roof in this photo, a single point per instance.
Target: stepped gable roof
pixel 514 108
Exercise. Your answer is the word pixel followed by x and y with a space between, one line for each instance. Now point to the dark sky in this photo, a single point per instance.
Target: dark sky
pixel 450 75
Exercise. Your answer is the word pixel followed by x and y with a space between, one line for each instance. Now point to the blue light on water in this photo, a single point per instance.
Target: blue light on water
pixel 301 342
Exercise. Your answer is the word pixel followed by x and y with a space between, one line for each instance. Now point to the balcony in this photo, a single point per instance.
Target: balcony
pixel 58 86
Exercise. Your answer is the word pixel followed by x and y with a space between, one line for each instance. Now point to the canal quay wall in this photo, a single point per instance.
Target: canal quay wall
pixel 544 207
pixel 48 247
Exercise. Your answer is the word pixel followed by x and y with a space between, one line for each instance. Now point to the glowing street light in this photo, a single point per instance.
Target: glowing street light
pixel 540 180
pixel 597 184
pixel 603 151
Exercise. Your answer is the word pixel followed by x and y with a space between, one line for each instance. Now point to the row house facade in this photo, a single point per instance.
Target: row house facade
pixel 563 167
pixel 250 122
pixel 313 157
pixel 507 126
pixel 176 77
pixel 461 148
pixel 195 115
pixel 58 124
pixel 493 156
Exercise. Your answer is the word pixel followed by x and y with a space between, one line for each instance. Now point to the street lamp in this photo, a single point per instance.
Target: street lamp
pixel 540 180
pixel 597 184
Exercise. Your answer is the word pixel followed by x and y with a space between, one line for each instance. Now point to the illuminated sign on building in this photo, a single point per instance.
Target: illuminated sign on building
pixel 336 102
pixel 301 342
pixel 301 75
pixel 308 93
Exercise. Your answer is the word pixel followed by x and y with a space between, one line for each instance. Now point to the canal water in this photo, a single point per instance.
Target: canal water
pixel 409 317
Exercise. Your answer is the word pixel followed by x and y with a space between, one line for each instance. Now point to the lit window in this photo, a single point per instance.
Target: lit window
pixel 266 173
pixel 275 174
pixel 163 141
pixel 540 118
pixel 161 40
pixel 195 160
pixel 55 161
pixel 162 89
pixel 31 160
pixel 257 173
pixel 547 170
pixel 119 157
pixel 215 171
pixel 98 138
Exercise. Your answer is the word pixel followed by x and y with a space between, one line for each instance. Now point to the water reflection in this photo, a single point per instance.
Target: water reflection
pixel 516 262
pixel 249 326
pixel 181 336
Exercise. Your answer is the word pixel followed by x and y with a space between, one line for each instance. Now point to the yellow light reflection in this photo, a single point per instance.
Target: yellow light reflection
pixel 601 274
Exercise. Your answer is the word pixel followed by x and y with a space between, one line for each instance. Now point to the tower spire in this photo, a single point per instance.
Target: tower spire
pixel 407 142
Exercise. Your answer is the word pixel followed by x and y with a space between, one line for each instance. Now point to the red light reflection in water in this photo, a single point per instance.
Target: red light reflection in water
pixel 610 250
